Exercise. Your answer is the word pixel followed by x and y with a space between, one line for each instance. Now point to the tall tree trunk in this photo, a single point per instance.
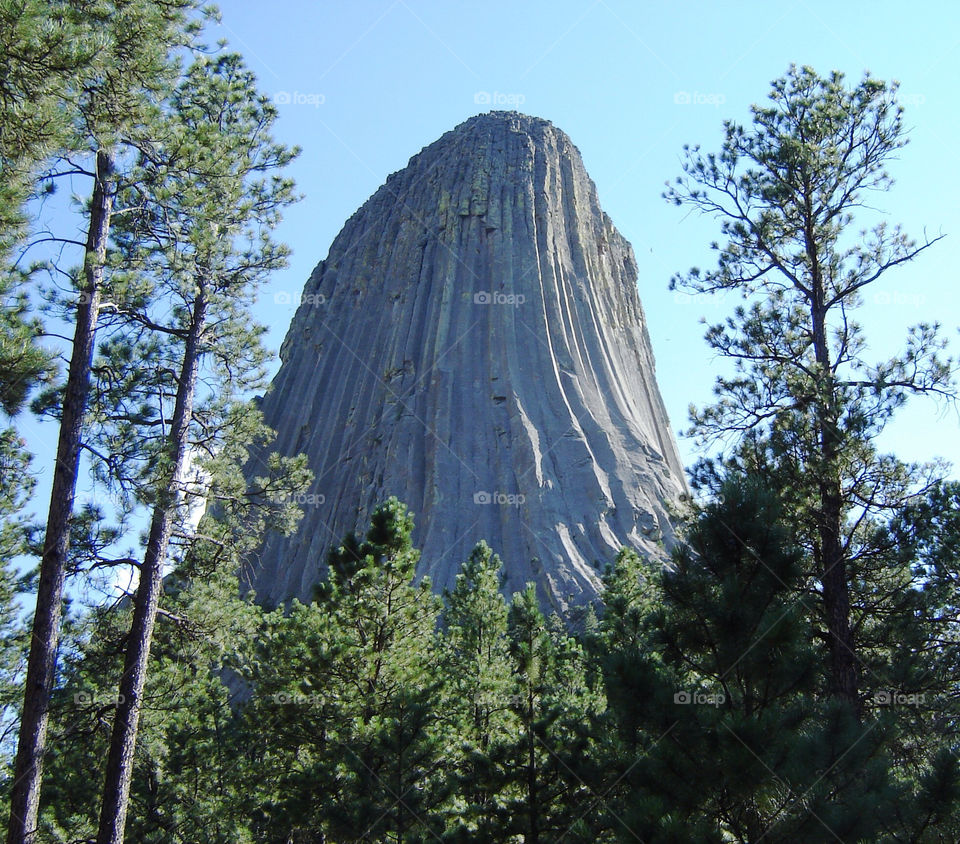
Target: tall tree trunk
pixel 833 565
pixel 41 663
pixel 533 803
pixel 844 681
pixel 836 597
pixel 116 791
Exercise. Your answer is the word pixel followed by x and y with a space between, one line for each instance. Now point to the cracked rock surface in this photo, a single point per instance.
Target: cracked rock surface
pixel 474 344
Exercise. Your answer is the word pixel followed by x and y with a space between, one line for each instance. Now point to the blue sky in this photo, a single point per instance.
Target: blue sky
pixel 363 86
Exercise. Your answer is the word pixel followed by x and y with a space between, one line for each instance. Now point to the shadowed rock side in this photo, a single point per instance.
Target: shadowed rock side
pixel 475 345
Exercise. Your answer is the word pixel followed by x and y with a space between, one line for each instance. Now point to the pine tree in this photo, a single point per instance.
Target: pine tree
pixel 111 99
pixel 724 672
pixel 536 769
pixel 210 195
pixel 184 787
pixel 913 648
pixel 38 54
pixel 188 781
pixel 347 691
pixel 477 673
pixel 785 190
pixel 638 689
pixel 44 48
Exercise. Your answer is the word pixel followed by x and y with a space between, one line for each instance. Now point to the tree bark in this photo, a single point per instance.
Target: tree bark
pixel 844 681
pixel 836 597
pixel 844 675
pixel 116 792
pixel 45 637
pixel 533 803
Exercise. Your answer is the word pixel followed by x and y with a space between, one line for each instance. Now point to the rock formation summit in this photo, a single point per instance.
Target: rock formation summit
pixel 474 344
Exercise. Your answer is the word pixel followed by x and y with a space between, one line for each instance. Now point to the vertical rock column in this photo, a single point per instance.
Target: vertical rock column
pixel 474 344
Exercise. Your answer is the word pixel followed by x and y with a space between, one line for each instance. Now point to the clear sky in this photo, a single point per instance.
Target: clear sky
pixel 362 86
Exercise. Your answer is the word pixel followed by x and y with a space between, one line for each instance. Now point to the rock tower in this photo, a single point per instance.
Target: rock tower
pixel 474 344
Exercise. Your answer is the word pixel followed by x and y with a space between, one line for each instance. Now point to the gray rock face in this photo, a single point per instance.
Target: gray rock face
pixel 475 345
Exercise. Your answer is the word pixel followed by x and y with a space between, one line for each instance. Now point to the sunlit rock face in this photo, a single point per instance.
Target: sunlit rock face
pixel 474 344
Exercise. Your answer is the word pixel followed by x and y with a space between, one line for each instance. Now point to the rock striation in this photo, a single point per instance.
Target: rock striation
pixel 474 344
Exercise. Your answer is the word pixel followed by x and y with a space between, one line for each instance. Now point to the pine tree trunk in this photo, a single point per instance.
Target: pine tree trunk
pixel 829 516
pixel 833 564
pixel 120 762
pixel 836 598
pixel 41 664
pixel 533 804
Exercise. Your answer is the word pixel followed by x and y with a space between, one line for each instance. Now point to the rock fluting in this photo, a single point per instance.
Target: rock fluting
pixel 474 344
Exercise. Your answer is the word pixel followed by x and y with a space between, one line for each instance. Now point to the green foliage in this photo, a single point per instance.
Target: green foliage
pixel 541 768
pixel 715 698
pixel 16 484
pixel 694 708
pixel 40 50
pixel 804 404
pixel 185 784
pixel 737 581
pixel 22 362
pixel 188 741
pixel 348 691
pixel 477 689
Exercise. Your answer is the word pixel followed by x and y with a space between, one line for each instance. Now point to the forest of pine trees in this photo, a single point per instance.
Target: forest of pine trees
pixel 789 672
